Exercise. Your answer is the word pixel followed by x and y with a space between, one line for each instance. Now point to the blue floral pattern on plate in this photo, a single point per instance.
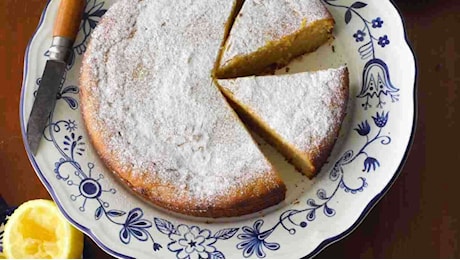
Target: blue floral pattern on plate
pixel 192 241
pixel 254 239
pixel 91 193
pixel 94 11
pixel 376 75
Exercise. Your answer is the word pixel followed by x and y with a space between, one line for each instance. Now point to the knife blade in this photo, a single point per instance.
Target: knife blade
pixel 65 31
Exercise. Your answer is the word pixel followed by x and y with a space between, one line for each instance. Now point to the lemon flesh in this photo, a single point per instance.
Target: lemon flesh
pixel 38 230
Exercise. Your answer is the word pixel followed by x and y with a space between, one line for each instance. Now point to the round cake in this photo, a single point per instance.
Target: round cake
pixel 151 102
pixel 156 117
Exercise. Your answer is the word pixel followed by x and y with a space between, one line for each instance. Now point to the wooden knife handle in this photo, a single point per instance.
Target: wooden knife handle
pixel 69 18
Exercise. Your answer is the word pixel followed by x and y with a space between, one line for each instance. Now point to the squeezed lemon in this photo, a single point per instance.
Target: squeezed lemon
pixel 37 229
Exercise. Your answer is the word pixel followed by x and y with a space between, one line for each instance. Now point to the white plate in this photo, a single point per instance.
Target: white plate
pixel 372 146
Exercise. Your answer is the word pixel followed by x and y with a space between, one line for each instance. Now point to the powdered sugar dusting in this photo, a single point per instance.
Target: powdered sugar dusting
pixel 160 113
pixel 302 108
pixel 269 20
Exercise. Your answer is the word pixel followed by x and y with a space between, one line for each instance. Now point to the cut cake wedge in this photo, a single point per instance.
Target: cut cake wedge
pixel 300 114
pixel 270 33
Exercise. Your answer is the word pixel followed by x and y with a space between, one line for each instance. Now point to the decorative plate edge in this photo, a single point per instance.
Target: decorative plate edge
pixel 328 242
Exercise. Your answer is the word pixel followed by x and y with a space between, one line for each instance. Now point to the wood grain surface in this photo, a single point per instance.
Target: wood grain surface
pixel 419 217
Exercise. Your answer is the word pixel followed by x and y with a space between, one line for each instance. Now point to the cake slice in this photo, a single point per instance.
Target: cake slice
pixel 156 117
pixel 270 33
pixel 300 114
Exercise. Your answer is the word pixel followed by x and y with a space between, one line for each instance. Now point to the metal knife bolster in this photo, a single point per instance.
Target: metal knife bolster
pixel 61 49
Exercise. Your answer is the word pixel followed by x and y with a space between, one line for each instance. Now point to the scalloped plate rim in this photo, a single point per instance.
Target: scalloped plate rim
pixel 322 245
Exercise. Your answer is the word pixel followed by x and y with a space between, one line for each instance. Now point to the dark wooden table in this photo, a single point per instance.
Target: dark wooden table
pixel 419 217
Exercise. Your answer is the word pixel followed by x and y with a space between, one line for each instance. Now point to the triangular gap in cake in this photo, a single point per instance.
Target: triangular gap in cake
pixel 231 20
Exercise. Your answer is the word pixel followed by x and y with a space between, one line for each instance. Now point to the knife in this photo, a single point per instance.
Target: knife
pixel 64 33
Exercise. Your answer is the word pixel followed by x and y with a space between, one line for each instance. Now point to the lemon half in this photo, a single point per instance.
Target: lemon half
pixel 38 230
